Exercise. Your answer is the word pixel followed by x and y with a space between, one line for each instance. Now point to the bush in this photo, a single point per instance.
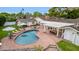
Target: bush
pixel 2 20
pixel 38 48
pixel 11 19
pixel 37 14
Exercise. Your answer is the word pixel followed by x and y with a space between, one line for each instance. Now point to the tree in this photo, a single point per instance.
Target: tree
pixel 5 14
pixel 37 14
pixel 65 12
pixel 9 17
pixel 27 14
pixel 54 11
pixel 20 14
pixel 46 14
pixel 2 20
pixel 72 14
pixel 57 11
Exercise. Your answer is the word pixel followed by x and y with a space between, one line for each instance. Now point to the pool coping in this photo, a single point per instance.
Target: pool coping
pixel 24 32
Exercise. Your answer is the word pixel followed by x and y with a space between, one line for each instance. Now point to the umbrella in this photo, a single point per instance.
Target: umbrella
pixel 8 29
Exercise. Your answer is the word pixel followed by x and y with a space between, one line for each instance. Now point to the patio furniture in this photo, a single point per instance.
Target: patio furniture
pixel 15 31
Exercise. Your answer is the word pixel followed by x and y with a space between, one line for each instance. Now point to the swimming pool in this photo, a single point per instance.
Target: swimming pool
pixel 27 37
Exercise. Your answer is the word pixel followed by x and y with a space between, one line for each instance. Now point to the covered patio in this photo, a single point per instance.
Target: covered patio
pixel 51 25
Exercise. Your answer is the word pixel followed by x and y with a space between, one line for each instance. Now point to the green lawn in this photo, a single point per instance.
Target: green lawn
pixel 2 33
pixel 5 33
pixel 66 45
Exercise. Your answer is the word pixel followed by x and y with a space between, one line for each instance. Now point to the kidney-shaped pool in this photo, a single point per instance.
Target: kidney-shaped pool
pixel 27 37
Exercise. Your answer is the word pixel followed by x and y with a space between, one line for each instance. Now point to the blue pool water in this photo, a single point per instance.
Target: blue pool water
pixel 28 37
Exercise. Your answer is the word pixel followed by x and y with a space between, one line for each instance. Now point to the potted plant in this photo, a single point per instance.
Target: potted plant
pixel 38 48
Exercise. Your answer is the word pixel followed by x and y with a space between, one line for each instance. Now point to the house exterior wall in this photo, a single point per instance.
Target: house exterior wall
pixel 71 35
pixel 77 39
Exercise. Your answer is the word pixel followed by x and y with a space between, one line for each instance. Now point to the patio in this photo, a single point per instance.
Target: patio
pixel 45 39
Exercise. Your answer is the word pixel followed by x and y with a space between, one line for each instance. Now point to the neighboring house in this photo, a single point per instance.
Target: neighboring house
pixel 27 21
pixel 9 23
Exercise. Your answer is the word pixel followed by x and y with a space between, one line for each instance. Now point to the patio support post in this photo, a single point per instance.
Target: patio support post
pixel 44 28
pixel 62 33
pixel 57 32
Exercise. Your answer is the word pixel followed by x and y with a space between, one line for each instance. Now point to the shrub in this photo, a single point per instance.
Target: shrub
pixel 38 48
pixel 2 20
pixel 11 19
pixel 37 14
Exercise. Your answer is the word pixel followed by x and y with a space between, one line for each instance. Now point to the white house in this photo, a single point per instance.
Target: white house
pixel 27 21
pixel 72 35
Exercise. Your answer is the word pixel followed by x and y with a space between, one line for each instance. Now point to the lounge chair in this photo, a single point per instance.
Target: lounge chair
pixel 15 31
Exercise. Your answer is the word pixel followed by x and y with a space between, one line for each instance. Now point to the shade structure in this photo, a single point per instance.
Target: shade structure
pixel 21 24
pixel 8 29
pixel 53 23
pixel 58 24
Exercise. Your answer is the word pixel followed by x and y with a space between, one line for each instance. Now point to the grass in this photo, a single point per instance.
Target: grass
pixel 2 33
pixel 66 45
pixel 5 33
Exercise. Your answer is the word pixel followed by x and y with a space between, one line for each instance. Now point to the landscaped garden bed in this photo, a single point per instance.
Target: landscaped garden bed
pixel 66 45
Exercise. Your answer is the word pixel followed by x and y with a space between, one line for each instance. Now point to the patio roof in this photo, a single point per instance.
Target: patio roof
pixel 58 24
pixel 53 23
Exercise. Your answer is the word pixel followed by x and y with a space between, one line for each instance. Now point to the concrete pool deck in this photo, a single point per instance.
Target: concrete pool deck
pixel 45 38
